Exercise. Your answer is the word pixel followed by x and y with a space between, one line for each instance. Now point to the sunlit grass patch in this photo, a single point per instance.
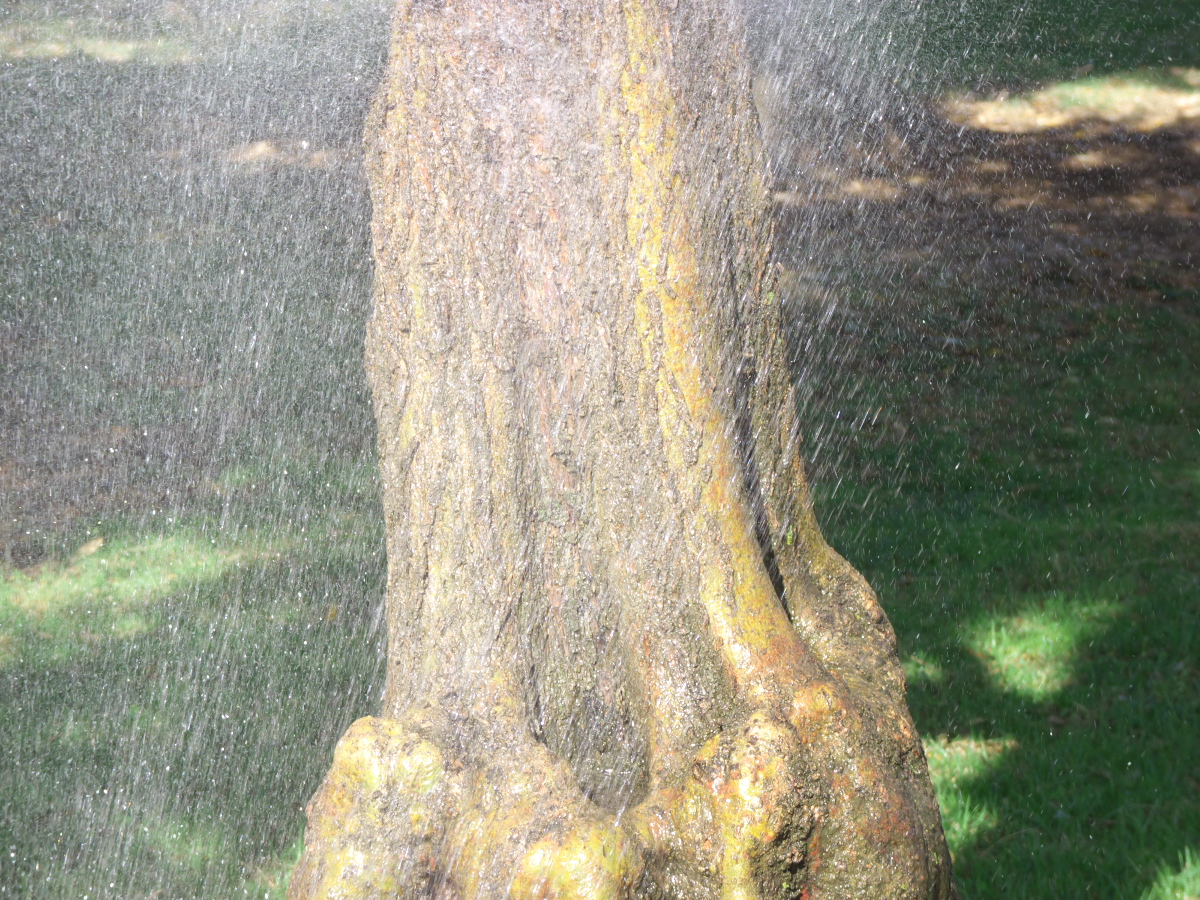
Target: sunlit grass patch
pixel 103 592
pixel 179 744
pixel 186 850
pixel 58 38
pixel 1033 653
pixel 954 763
pixel 1178 883
pixel 918 670
pixel 1141 101
pixel 189 844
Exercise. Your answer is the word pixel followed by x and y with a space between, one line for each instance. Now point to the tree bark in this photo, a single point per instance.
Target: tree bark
pixel 622 660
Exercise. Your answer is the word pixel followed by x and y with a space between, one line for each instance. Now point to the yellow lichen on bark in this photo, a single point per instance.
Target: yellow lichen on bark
pixel 752 628
pixel 593 861
pixel 380 769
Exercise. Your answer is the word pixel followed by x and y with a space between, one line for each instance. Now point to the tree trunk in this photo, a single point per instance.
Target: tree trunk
pixel 622 660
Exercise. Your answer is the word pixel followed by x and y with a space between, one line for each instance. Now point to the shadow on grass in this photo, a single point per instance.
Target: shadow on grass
pixel 1016 42
pixel 1038 558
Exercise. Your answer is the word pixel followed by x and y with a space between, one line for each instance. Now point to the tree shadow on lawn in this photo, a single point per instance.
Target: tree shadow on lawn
pixel 184 264
pixel 1015 43
pixel 1008 325
pixel 1039 562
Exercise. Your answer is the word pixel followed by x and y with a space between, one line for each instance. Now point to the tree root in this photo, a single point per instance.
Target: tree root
pixel 781 804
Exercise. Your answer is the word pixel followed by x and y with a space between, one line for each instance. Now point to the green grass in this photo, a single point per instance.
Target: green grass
pixel 1178 882
pixel 169 700
pixel 1038 550
pixel 1019 41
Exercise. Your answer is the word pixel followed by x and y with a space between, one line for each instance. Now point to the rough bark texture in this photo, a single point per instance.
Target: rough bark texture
pixel 622 660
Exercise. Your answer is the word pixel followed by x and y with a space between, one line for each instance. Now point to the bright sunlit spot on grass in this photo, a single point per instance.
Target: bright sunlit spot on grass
pixel 102 592
pixel 55 39
pixel 1033 653
pixel 195 847
pixel 190 844
pixel 954 763
pixel 918 670
pixel 1141 101
pixel 1178 883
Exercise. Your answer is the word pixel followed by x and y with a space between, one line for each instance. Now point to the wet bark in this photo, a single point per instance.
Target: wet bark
pixel 622 660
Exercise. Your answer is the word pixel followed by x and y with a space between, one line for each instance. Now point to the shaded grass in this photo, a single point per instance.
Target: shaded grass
pixel 1037 547
pixel 1021 41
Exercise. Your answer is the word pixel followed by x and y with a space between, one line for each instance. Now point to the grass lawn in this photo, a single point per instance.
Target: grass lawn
pixel 191 548
pixel 1037 545
pixel 168 700
pixel 1014 42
